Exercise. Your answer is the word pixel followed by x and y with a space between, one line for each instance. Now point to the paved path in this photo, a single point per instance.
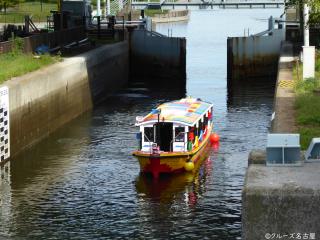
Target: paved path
pixel 284 112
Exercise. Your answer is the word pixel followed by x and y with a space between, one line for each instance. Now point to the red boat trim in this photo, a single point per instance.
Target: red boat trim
pixel 156 168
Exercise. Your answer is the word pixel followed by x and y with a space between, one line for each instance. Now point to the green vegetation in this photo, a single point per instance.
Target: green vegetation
pixel 5 4
pixel 152 12
pixel 308 104
pixel 314 6
pixel 15 13
pixel 17 63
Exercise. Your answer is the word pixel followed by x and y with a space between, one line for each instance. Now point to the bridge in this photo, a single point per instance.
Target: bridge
pixel 198 4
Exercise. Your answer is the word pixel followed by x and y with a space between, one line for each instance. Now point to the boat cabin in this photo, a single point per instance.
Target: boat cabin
pixel 176 126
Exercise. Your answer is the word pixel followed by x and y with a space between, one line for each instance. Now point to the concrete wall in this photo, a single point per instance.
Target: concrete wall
pixel 42 101
pixel 157 60
pixel 108 70
pixel 280 201
pixel 254 56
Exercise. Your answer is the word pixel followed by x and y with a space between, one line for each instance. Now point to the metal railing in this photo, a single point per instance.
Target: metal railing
pixel 150 143
pixel 171 143
pixel 155 34
pixel 252 1
pixel 214 1
pixel 117 5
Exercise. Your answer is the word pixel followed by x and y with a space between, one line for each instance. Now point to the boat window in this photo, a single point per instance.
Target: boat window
pixel 148 134
pixel 179 136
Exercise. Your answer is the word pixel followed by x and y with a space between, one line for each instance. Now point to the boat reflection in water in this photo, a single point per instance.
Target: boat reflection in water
pixel 186 186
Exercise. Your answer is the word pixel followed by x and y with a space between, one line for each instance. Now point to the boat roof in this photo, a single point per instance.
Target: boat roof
pixel 186 111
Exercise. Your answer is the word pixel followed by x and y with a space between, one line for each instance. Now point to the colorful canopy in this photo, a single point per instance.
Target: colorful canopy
pixel 186 111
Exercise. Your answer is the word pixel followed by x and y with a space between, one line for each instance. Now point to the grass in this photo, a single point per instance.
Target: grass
pixel 307 104
pixel 17 63
pixel 152 12
pixel 17 13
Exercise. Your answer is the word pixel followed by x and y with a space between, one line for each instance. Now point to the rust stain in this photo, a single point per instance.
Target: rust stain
pixel 257 66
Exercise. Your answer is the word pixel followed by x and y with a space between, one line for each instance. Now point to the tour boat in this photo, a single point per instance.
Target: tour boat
pixel 174 135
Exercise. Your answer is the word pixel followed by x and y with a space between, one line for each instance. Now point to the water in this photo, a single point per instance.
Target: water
pixel 83 183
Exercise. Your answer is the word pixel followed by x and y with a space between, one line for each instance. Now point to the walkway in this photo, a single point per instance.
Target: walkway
pixel 284 112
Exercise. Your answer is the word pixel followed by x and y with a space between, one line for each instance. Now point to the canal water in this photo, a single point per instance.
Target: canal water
pixel 83 183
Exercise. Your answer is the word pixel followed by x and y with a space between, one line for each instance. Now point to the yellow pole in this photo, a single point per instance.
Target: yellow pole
pixel 59 5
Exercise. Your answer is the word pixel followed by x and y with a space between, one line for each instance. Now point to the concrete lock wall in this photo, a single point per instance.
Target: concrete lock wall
pixel 44 100
pixel 155 57
pixel 254 56
pixel 281 201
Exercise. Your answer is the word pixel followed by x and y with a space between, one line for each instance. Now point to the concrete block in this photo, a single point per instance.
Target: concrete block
pixel 281 200
pixel 257 156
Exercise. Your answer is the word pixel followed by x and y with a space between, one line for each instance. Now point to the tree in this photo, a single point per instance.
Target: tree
pixel 315 12
pixel 314 9
pixel 4 4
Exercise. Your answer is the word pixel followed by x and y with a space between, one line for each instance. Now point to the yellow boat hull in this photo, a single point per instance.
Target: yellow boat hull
pixel 171 162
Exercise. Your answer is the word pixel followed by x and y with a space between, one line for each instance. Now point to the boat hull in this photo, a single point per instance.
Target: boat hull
pixel 169 162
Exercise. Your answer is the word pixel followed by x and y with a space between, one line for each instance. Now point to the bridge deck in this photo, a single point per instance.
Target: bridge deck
pixel 220 4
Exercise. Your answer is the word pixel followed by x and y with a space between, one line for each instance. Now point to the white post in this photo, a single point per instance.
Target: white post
pixel 306 25
pixel 98 8
pixel 108 7
pixel 308 51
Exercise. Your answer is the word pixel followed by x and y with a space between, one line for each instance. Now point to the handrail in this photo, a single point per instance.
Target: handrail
pixel 154 34
pixel 148 141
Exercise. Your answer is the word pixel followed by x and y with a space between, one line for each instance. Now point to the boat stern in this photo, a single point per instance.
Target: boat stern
pixel 157 163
